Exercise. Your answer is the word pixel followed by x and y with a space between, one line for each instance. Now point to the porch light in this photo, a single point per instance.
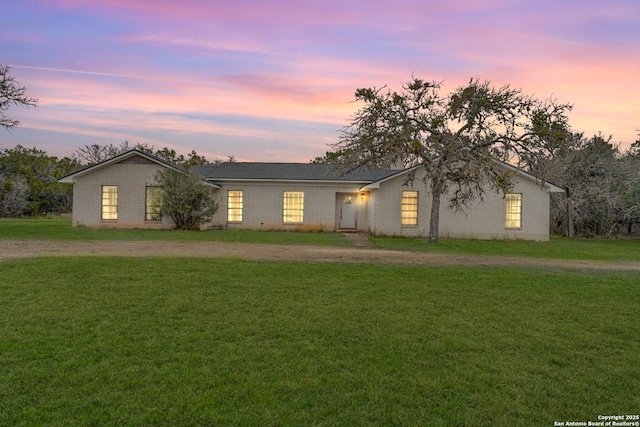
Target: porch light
pixel 362 196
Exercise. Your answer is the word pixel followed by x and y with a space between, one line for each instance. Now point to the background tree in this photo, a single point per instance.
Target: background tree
pixel 14 196
pixel 602 189
pixel 29 182
pixel 631 166
pixel 186 199
pixel 328 158
pixel 598 198
pixel 11 93
pixel 192 159
pixel 91 154
pixel 94 153
pixel 456 138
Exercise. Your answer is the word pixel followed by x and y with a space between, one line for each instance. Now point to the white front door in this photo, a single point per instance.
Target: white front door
pixel 348 211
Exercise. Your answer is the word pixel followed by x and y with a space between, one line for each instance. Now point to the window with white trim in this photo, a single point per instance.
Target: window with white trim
pixel 153 204
pixel 409 208
pixel 109 202
pixel 234 206
pixel 513 210
pixel 293 207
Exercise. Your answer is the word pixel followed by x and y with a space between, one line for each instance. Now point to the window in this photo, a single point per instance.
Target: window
pixel 109 202
pixel 234 206
pixel 153 204
pixel 409 211
pixel 513 210
pixel 293 206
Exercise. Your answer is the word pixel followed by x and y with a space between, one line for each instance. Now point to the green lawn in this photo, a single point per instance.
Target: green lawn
pixel 185 341
pixel 561 248
pixel 61 229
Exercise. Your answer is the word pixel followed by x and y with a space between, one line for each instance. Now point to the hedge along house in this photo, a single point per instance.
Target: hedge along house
pixel 121 192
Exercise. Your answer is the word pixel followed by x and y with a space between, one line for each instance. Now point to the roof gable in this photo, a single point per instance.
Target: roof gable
pixel 551 187
pixel 130 157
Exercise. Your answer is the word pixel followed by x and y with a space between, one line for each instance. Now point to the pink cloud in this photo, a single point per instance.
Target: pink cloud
pixel 302 61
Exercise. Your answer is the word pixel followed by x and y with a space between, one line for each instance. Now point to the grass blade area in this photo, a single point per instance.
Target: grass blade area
pixel 174 341
pixel 61 229
pixel 560 248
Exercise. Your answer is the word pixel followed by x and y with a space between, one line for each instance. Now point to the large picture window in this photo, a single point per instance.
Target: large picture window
pixel 234 206
pixel 513 210
pixel 109 202
pixel 409 210
pixel 153 204
pixel 293 206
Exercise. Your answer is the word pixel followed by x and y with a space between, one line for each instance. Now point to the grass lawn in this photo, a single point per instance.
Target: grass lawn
pixel 184 341
pixel 61 229
pixel 597 250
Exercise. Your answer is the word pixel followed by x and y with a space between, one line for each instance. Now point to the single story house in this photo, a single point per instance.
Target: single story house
pixel 122 192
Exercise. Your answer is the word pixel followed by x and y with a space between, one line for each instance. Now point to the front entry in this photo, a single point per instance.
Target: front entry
pixel 348 211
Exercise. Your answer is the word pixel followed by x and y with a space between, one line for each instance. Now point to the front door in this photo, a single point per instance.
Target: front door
pixel 348 211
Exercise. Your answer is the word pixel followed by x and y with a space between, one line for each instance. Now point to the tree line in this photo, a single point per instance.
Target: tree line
pixel 602 186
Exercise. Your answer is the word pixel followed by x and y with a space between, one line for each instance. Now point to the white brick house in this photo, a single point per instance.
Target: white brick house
pixel 121 192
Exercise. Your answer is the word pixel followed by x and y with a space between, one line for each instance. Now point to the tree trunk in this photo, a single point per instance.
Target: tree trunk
pixel 570 210
pixel 434 220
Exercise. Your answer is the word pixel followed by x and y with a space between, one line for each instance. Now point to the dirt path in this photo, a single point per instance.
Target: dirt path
pixel 20 249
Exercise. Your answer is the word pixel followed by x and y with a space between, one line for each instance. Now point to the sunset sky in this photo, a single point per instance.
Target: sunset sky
pixel 275 80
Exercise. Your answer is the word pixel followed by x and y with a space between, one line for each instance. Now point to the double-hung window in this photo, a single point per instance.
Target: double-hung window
pixel 234 206
pixel 409 208
pixel 109 202
pixel 153 204
pixel 513 210
pixel 293 207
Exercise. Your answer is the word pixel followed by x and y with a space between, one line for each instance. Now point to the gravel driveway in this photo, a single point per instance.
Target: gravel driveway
pixel 20 249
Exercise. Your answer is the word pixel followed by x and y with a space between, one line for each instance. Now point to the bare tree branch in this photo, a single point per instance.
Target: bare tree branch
pixel 11 93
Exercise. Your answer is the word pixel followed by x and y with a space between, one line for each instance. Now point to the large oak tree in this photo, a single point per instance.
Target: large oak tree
pixel 459 139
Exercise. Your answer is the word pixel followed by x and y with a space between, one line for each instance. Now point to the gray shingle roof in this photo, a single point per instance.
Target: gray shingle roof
pixel 288 171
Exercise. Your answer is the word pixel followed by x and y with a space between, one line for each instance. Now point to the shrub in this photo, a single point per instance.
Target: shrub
pixel 186 199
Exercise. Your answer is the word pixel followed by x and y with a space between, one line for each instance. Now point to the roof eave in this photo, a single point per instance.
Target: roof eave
pixel 552 188
pixel 299 181
pixel 376 184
